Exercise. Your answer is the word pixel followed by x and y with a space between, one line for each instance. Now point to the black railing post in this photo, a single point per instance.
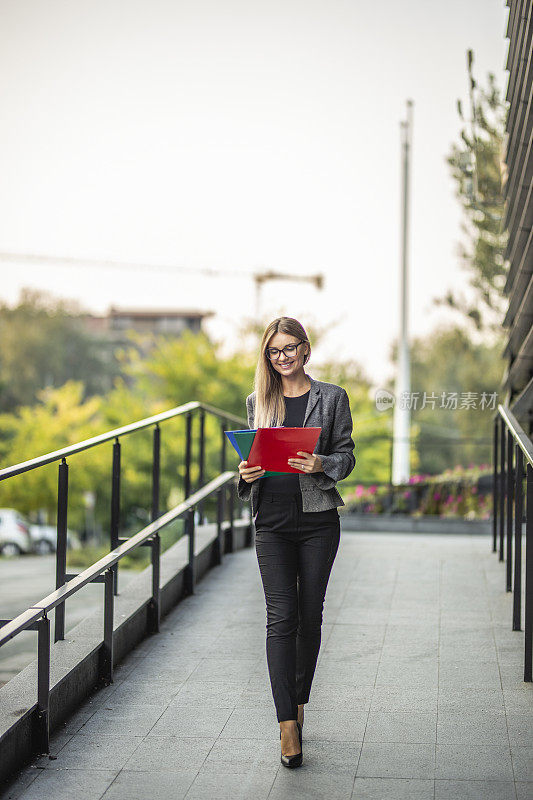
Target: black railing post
pixel 41 742
pixel 201 462
pixel 156 467
pixel 61 551
pixel 528 624
pixel 222 498
pixel 509 515
pixel 220 546
pixel 115 507
pixel 495 486
pixel 190 578
pixel 106 650
pixel 231 489
pixel 188 442
pixel 154 606
pixel 501 487
pixel 518 514
pixel 223 447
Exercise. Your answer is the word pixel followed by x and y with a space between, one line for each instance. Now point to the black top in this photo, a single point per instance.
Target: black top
pixel 288 483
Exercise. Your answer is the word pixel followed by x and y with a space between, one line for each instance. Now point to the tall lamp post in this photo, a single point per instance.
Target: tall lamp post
pixel 402 416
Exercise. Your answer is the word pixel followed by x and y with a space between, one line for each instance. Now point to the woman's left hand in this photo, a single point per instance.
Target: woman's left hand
pixel 310 463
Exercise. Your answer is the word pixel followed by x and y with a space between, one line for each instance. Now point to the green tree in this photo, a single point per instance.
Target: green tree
pixel 476 167
pixel 191 367
pixel 61 417
pixel 45 344
pixel 449 362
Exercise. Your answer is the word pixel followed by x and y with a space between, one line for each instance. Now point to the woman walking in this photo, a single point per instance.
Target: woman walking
pixel 296 519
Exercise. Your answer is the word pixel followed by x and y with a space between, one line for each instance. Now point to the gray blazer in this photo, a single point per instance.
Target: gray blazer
pixel 328 407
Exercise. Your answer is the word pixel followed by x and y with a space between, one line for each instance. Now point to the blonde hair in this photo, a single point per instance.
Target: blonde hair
pixel 269 402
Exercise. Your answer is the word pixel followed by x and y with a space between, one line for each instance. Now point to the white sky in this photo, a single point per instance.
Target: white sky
pixel 239 135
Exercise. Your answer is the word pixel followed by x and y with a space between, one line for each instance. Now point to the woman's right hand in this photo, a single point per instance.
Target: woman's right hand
pixel 250 474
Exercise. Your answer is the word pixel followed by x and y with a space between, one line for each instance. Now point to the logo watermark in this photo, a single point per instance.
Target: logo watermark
pixel 470 401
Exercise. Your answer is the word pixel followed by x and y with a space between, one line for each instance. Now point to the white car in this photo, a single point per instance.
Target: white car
pixel 44 539
pixel 15 535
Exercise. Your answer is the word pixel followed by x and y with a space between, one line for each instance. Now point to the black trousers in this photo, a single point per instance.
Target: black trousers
pixel 295 552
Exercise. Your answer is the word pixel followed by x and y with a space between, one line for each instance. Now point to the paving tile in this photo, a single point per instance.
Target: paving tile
pixel 458 651
pixel 480 727
pixel 213 669
pixel 94 752
pixel 382 760
pixel 474 790
pixel 232 786
pixel 392 789
pixel 179 720
pixel 401 726
pixel 524 790
pixel 65 784
pixel 169 754
pixel 236 755
pixel 330 755
pixel 519 701
pixel 411 652
pixel 134 692
pixel 520 727
pixel 156 785
pixel 136 720
pixel 303 784
pixel 475 674
pixel 417 674
pixel 211 694
pixel 398 698
pixel 340 697
pixel 244 723
pixel 254 697
pixel 473 699
pixel 329 671
pixel 522 762
pixel 335 726
pixel 512 672
pixel 469 762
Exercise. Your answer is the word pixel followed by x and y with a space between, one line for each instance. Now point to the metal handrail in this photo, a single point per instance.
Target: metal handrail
pixel 42 607
pixel 187 410
pixel 519 435
pixel 513 461
pixel 35 617
pixel 48 458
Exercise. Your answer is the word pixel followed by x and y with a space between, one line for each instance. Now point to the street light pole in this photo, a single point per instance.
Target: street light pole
pixel 402 416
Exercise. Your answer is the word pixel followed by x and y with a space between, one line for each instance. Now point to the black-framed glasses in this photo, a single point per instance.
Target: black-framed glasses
pixel 289 350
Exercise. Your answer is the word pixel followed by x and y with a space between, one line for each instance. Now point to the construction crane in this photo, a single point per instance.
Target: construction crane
pixel 259 276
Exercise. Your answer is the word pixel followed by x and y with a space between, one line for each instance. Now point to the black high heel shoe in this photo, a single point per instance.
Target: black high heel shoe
pixel 296 760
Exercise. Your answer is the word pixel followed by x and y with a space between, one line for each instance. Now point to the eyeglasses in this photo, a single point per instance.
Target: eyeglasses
pixel 289 350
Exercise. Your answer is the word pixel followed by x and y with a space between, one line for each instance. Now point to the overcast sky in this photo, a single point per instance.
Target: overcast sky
pixel 239 136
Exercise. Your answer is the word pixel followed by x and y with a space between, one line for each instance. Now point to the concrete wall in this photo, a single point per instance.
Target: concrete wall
pixel 389 523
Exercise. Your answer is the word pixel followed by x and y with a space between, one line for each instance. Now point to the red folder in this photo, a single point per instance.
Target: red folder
pixel 272 447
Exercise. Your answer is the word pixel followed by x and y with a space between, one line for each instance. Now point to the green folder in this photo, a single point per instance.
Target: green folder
pixel 242 442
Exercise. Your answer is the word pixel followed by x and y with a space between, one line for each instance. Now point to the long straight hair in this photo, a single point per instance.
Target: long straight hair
pixel 269 402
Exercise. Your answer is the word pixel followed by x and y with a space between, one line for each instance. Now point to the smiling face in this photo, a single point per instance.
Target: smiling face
pixel 293 362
